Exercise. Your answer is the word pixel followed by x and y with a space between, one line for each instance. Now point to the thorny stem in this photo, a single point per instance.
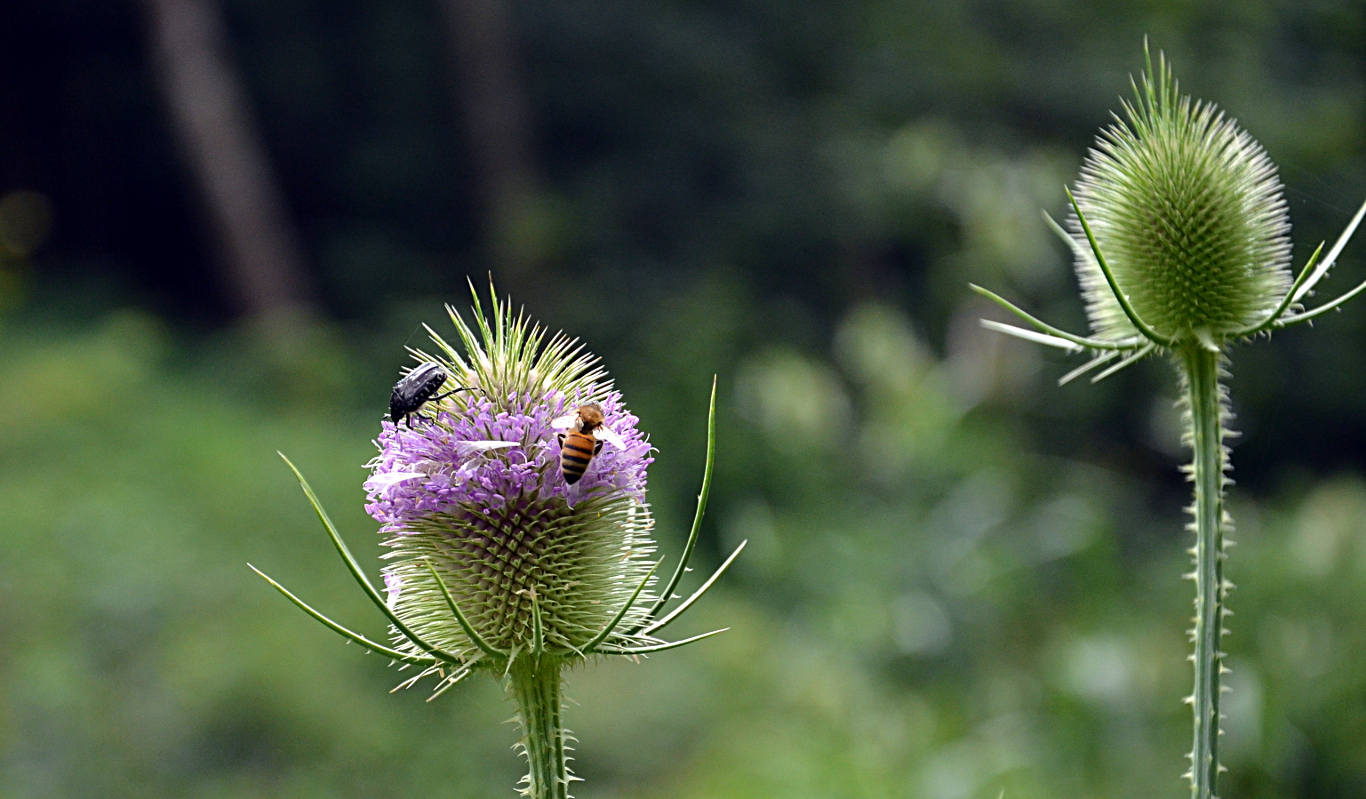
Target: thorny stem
pixel 1203 395
pixel 536 687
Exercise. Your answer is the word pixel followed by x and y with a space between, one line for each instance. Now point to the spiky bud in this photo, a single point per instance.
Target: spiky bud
pixel 474 492
pixel 1189 213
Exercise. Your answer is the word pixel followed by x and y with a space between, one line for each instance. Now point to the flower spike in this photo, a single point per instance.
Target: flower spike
pixel 1194 218
pixel 496 562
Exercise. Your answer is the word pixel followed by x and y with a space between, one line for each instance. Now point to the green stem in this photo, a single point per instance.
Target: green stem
pixel 1207 472
pixel 535 685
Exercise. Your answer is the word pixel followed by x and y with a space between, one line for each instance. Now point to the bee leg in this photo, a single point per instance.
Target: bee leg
pixel 560 438
pixel 597 448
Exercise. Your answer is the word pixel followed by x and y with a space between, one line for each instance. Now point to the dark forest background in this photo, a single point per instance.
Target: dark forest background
pixel 221 221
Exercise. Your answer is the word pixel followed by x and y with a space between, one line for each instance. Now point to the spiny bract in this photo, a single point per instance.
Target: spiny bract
pixel 1188 211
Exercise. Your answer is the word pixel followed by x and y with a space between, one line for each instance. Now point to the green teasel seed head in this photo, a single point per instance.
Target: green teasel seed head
pixel 1189 213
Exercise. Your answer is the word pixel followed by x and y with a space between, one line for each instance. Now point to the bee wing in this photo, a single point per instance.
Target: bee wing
pixel 468 448
pixel 381 483
pixel 608 434
pixel 565 422
pixel 486 445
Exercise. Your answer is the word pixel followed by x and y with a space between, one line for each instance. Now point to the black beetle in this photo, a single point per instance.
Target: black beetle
pixel 416 389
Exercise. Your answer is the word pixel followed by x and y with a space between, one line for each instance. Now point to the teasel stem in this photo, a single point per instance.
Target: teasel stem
pixel 1204 397
pixel 536 686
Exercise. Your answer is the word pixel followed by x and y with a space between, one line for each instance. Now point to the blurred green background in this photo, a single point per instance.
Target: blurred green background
pixel 961 580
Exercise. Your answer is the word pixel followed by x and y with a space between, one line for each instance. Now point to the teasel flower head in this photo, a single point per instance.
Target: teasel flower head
pixel 1180 236
pixel 496 562
pixel 1181 243
pixel 475 494
pixel 1189 212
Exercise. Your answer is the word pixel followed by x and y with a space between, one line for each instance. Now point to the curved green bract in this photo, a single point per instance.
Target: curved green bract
pixel 1322 309
pixel 470 632
pixel 356 572
pixel 1139 324
pixel 678 611
pixel 1137 356
pixel 353 636
pixel 1332 258
pixel 1079 341
pixel 645 650
pixel 537 627
pixel 451 682
pixel 667 593
pixel 621 614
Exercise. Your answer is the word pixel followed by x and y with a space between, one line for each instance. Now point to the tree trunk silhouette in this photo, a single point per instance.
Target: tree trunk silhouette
pixel 214 127
pixel 497 126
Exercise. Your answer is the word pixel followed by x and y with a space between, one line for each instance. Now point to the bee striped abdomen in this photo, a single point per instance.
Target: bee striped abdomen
pixel 576 452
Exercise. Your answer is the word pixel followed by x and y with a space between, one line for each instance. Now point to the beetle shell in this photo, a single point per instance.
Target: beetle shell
pixel 414 390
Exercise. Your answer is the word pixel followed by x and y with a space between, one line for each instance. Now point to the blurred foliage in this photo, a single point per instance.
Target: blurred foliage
pixel 961 578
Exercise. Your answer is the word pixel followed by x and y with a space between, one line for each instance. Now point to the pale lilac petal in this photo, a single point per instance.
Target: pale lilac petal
pixel 393 586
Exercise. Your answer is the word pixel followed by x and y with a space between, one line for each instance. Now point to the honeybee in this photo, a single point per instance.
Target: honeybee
pixel 581 441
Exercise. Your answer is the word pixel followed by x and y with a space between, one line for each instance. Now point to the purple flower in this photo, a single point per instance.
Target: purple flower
pixel 473 493
pixel 476 455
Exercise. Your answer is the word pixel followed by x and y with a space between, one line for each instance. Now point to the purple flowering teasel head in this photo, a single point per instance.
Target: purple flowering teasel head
pixel 496 563
pixel 474 493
